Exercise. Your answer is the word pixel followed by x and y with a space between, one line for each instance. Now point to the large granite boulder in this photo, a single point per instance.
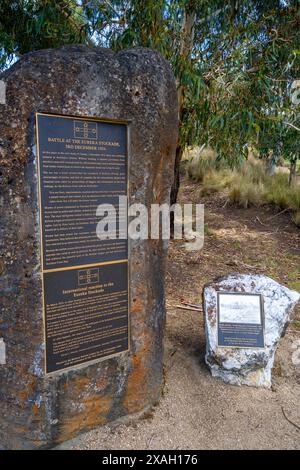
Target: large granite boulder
pixel 247 366
pixel 136 85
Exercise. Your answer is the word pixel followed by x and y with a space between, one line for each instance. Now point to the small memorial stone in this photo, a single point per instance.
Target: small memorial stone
pixel 245 317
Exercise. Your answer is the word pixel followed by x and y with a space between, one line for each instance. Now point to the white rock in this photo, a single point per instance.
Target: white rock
pixel 241 366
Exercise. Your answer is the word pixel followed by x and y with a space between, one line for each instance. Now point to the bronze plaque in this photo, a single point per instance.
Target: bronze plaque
pixel 82 163
pixel 240 320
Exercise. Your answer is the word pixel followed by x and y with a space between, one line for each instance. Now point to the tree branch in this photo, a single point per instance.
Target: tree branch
pixel 291 125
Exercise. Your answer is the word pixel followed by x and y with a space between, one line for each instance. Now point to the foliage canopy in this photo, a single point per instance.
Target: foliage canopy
pixel 236 62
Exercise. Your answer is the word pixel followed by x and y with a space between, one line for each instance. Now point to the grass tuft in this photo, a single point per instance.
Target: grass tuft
pixel 248 185
pixel 296 218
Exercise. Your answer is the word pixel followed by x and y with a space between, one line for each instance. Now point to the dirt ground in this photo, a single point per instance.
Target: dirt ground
pixel 196 410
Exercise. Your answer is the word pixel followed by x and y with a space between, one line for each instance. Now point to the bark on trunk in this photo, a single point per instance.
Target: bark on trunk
pixel 176 182
pixel 186 47
pixel 271 167
pixel 292 171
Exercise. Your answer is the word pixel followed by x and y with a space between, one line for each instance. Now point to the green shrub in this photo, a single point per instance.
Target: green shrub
pixel 294 197
pixel 279 192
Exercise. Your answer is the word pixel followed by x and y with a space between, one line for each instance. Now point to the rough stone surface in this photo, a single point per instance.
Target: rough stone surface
pixel 241 366
pixel 138 85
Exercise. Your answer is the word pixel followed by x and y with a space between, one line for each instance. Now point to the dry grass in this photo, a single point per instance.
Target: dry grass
pixel 246 186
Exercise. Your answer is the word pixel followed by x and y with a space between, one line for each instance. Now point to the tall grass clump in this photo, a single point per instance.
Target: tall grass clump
pixel 200 164
pixel 247 185
pixel 245 193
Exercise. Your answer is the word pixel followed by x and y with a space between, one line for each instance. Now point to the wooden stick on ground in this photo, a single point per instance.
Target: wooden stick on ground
pixel 185 307
pixel 291 422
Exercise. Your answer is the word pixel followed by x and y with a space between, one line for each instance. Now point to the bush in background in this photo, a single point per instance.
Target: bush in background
pixel 247 185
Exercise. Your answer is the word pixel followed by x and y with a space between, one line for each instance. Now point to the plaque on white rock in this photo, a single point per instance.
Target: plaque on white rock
pixel 240 320
pixel 245 317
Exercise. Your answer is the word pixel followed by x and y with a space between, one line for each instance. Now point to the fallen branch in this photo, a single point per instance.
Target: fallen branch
pixel 241 264
pixel 189 308
pixel 278 213
pixel 249 266
pixel 257 218
pixel 290 421
pixel 188 304
pixel 291 125
pixel 226 202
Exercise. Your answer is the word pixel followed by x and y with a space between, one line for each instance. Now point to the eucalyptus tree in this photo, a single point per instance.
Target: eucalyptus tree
pixel 170 27
pixel 28 25
pixel 234 61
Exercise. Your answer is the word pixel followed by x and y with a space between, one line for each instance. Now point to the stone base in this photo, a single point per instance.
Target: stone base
pixel 136 85
pixel 254 378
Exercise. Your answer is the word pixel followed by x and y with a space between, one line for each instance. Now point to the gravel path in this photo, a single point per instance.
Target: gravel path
pixel 197 411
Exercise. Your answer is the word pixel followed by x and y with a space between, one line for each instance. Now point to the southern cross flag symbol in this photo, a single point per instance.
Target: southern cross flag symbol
pixel 85 130
pixel 88 276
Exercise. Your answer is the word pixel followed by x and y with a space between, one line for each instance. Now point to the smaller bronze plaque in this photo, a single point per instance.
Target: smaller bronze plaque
pixel 86 314
pixel 240 320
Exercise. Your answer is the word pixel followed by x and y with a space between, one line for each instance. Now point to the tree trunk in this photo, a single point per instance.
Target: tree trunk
pixel 176 182
pixel 293 171
pixel 273 161
pixel 186 47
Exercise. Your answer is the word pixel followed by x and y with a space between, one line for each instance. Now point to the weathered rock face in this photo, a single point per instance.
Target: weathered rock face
pixel 240 366
pixel 137 85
